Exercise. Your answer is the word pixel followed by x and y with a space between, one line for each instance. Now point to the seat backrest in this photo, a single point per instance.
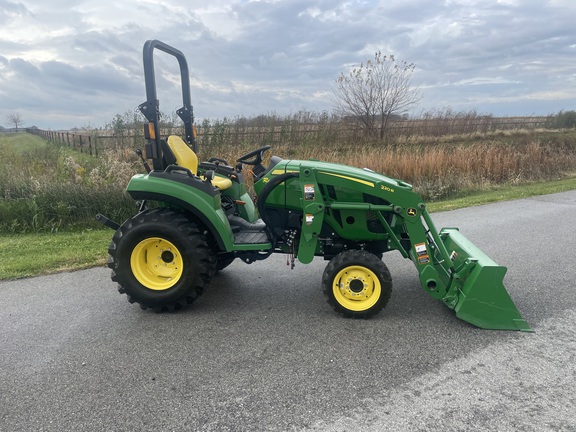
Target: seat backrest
pixel 185 156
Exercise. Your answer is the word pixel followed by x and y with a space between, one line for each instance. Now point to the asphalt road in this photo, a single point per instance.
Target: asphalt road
pixel 263 351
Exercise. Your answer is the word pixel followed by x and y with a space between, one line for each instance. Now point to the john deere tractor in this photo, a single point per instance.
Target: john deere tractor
pixel 195 217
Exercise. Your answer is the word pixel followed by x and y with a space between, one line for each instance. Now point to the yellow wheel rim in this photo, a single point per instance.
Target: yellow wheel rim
pixel 156 263
pixel 356 288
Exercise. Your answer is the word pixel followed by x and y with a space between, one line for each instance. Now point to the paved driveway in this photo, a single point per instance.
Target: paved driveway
pixel 263 351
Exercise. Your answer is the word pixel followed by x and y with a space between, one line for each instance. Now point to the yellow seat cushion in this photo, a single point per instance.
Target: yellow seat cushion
pixel 222 183
pixel 186 158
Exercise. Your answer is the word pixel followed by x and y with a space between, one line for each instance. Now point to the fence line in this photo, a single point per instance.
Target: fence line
pixel 82 142
pixel 91 144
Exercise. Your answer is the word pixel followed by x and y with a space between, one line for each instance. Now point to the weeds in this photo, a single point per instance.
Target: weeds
pixel 47 187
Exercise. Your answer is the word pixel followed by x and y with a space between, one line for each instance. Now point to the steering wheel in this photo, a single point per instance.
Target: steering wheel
pixel 254 157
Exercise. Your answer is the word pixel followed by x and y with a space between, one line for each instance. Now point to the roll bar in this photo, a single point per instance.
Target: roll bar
pixel 150 108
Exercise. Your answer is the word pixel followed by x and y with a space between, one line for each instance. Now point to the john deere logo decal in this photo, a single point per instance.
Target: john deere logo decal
pixel 411 212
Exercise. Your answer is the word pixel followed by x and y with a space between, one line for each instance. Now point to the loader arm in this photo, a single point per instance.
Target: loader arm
pixel 450 267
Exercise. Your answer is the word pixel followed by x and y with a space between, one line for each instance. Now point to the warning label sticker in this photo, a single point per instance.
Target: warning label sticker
pixel 422 253
pixel 309 192
pixel 421 249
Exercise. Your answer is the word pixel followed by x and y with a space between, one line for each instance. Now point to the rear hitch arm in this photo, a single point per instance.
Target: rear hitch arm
pixel 106 221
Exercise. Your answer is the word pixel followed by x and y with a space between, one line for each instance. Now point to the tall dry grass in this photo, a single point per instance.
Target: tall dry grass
pixel 54 188
pixel 447 168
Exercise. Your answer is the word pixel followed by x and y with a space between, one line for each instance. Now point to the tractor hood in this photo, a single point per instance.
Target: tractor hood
pixel 361 176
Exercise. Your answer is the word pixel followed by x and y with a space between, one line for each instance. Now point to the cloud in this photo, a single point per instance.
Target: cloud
pixel 80 61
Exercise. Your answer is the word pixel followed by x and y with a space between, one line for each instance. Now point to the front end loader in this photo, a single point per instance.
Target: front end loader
pixel 195 218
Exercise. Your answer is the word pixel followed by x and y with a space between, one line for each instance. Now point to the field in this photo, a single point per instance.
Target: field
pixel 50 192
pixel 48 187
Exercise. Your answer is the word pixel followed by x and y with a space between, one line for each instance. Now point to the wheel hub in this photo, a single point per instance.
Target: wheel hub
pixel 156 263
pixel 356 287
pixel 356 284
pixel 167 256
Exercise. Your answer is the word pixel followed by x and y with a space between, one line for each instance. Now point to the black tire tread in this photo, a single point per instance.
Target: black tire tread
pixel 180 225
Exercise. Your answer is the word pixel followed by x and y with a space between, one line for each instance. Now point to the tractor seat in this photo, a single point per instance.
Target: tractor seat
pixel 186 158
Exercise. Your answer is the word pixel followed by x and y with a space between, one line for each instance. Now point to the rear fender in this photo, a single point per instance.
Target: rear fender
pixel 203 203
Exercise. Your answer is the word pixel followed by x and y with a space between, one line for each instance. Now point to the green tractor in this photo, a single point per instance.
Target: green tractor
pixel 195 218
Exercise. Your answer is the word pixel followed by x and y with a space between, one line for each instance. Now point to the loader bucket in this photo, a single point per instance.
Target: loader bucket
pixel 482 299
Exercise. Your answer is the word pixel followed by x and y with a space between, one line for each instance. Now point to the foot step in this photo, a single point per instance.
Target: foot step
pixel 251 237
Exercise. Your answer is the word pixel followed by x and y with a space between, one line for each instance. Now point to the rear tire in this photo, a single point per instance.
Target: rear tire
pixel 357 284
pixel 161 260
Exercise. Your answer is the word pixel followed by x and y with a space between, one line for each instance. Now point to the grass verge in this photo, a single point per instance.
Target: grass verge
pixel 22 142
pixel 26 255
pixel 504 193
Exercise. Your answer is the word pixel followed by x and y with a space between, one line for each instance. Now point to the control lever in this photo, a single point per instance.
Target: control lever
pixel 144 161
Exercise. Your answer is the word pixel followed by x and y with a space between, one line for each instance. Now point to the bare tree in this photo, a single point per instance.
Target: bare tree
pixel 15 119
pixel 373 92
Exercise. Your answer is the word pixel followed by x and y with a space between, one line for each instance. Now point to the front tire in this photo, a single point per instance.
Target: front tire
pixel 161 260
pixel 357 284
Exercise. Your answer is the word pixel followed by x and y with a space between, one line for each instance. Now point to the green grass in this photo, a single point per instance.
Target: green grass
pixel 22 142
pixel 27 255
pixel 504 193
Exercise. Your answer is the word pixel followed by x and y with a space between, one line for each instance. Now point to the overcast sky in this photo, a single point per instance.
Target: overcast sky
pixel 77 63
